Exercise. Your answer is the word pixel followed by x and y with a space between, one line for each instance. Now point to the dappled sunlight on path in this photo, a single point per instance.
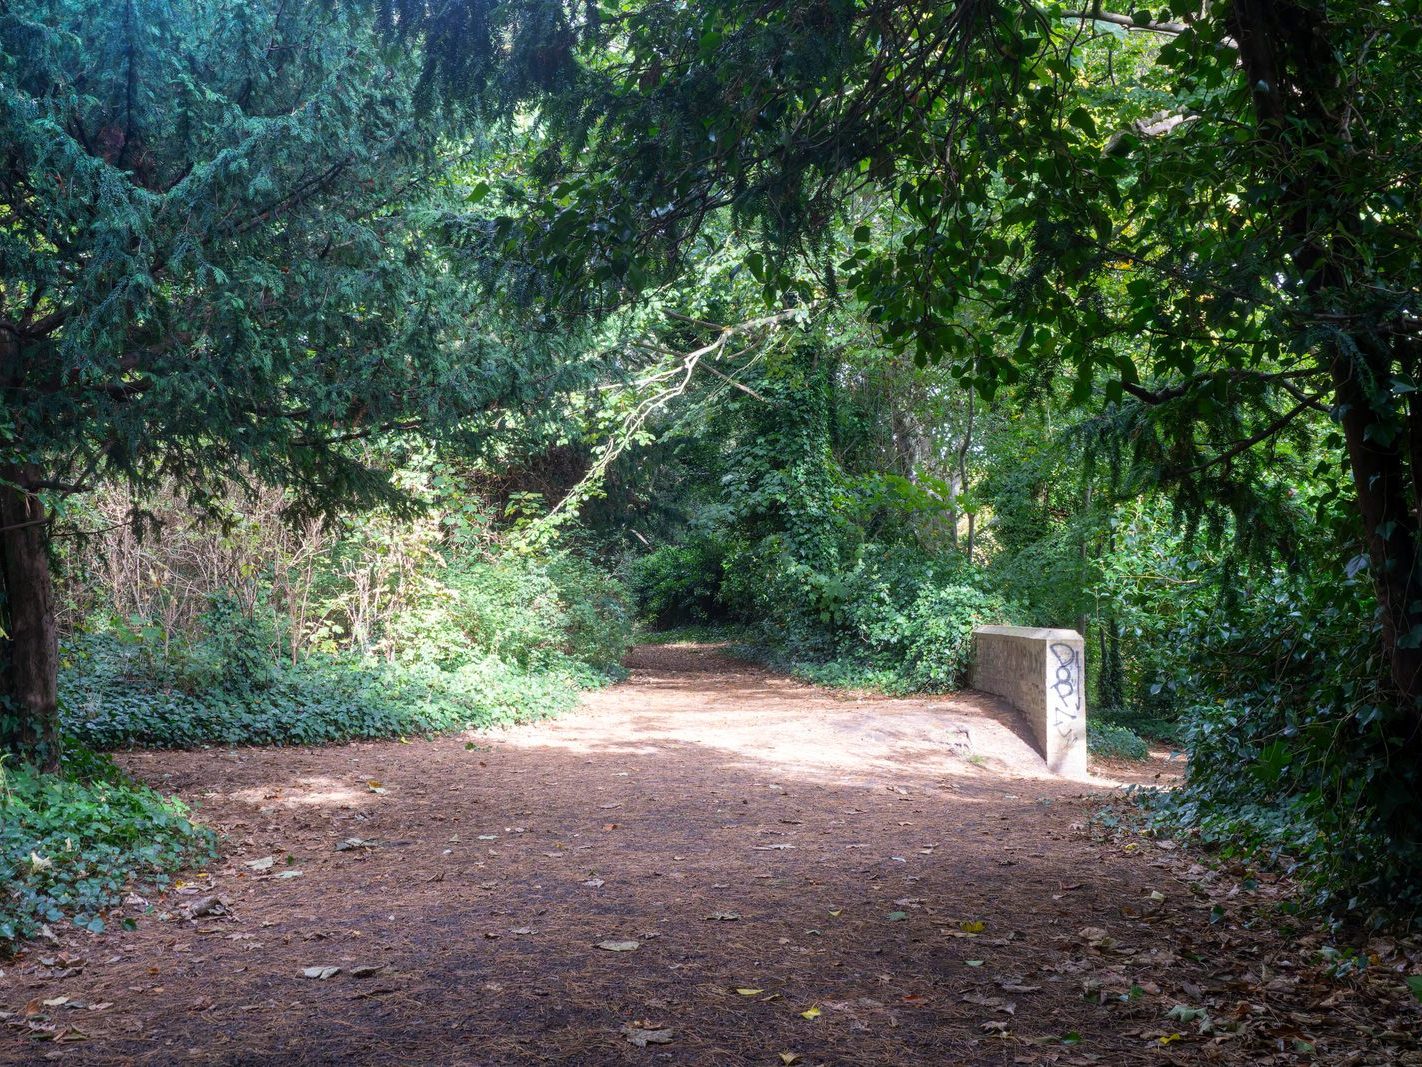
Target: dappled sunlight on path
pixel 753 720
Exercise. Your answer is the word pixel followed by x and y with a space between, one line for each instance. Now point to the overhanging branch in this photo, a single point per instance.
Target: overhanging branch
pixel 1174 29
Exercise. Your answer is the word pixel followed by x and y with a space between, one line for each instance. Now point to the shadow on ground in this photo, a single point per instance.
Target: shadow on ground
pixel 807 878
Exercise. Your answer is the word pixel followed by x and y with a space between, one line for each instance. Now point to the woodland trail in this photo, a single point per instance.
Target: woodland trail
pixel 808 878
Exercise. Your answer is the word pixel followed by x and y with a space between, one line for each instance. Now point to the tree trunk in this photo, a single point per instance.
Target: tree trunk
pixel 1299 92
pixel 960 475
pixel 1384 492
pixel 953 488
pixel 29 641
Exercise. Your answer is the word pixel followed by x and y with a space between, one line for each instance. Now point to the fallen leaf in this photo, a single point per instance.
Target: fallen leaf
pixel 972 926
pixel 993 1026
pixel 353 843
pixel 1185 1014
pixel 367 970
pixel 835 913
pixel 619 946
pixel 1097 938
pixel 1009 985
pixel 260 865
pixel 594 883
pixel 209 905
pixel 812 1012
pixel 896 916
pixel 790 1058
pixel 746 991
pixel 288 874
pixel 642 1036
pixel 995 1003
pixel 723 916
pixel 321 973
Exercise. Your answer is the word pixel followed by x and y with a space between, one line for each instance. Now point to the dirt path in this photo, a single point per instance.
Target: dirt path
pixel 807 878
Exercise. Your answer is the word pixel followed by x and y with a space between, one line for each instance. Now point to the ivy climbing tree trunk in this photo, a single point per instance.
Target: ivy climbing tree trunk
pixel 29 643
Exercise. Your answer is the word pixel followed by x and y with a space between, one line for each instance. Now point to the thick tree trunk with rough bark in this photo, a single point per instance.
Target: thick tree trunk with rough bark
pixel 29 641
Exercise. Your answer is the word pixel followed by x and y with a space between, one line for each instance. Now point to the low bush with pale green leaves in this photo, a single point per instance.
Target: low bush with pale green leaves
pixel 72 844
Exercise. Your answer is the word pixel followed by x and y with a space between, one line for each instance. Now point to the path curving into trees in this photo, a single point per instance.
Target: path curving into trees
pixel 769 871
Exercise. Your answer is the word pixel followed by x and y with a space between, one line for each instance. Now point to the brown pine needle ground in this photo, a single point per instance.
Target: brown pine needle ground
pixel 708 864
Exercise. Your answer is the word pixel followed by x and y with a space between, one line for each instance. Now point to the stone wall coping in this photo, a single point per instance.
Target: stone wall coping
pixel 1034 633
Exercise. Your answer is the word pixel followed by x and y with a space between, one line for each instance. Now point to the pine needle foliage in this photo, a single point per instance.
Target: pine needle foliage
pixel 215 263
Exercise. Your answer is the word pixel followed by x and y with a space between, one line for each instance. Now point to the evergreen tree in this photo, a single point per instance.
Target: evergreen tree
pixel 218 263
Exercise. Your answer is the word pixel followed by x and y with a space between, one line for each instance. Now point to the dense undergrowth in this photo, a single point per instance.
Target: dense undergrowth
pixel 323 699
pixel 499 642
pixel 1294 761
pixel 891 620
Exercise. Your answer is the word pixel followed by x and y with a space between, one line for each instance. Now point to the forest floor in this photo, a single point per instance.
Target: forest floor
pixel 708 864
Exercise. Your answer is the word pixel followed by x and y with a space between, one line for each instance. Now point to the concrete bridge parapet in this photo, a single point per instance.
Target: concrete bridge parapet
pixel 1042 673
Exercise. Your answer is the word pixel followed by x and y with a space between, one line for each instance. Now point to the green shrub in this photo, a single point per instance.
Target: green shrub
pixel 241 647
pixel 1114 741
pixel 939 635
pixel 596 616
pixel 508 606
pixel 909 616
pixel 536 613
pixel 495 638
pixel 894 619
pixel 72 843
pixel 1296 750
pixel 679 585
